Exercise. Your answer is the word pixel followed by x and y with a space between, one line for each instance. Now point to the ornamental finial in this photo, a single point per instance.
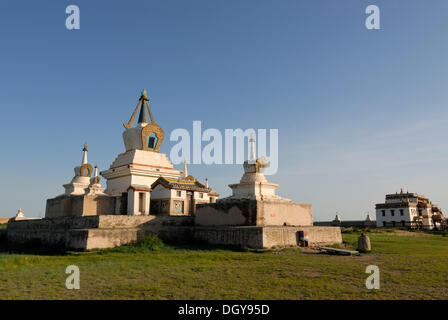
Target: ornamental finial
pixel 252 147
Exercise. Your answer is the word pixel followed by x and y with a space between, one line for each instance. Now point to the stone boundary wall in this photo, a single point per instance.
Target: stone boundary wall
pixel 347 224
pixel 98 231
pixel 277 213
pixel 267 237
pixel 245 212
pixel 235 236
pixel 234 212
pixel 79 205
pixel 289 236
pixel 110 231
pixel 60 223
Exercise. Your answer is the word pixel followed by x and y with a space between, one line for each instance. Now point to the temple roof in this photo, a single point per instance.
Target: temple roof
pixel 188 183
pixel 139 187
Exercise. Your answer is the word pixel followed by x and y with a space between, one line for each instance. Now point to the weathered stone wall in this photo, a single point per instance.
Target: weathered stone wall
pixel 268 236
pixel 235 236
pixel 243 212
pixel 113 230
pixel 98 205
pixel 275 213
pixel 99 231
pixel 289 236
pixel 64 206
pixel 106 238
pixel 60 223
pixel 347 224
pixel 227 213
pixel 79 205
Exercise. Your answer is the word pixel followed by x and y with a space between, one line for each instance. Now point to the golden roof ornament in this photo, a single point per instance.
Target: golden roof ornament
pixel 151 133
pixel 96 178
pixel 86 169
pixel 143 105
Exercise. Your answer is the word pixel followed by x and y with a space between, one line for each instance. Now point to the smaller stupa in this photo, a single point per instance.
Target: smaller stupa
pixel 81 180
pixel 20 215
pixel 253 201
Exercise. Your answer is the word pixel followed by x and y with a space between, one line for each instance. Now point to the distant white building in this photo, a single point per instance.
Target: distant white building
pixel 408 210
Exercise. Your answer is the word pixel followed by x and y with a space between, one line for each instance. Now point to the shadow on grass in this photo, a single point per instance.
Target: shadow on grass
pixel 151 243
pixel 32 247
pixel 148 243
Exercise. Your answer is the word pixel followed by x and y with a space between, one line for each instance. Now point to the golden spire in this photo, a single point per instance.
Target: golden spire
pixel 143 104
pixel 84 156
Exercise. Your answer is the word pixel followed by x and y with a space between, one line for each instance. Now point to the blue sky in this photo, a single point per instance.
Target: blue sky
pixel 360 112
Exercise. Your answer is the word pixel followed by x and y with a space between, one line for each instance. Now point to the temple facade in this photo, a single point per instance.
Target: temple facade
pixel 407 209
pixel 179 196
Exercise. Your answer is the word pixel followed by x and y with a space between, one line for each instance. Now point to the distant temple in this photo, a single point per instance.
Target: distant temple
pixel 407 209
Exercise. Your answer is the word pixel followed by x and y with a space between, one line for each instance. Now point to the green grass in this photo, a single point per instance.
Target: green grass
pixel 413 265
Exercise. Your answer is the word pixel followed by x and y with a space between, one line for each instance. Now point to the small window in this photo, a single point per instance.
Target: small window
pixel 403 223
pixel 179 193
pixel 384 223
pixel 383 212
pixel 201 195
pixel 141 202
pixel 392 212
pixel 420 212
pixel 152 140
pixel 401 212
pixel 393 223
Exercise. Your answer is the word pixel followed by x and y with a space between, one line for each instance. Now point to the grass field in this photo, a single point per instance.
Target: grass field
pixel 413 265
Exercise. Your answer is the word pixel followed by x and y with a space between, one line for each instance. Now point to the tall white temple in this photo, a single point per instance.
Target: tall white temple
pixel 133 172
pixel 130 177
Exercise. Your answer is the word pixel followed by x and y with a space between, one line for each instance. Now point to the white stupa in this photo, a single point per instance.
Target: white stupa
pixel 95 185
pixel 253 184
pixel 142 163
pixel 81 180
pixel 20 215
pixel 337 218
